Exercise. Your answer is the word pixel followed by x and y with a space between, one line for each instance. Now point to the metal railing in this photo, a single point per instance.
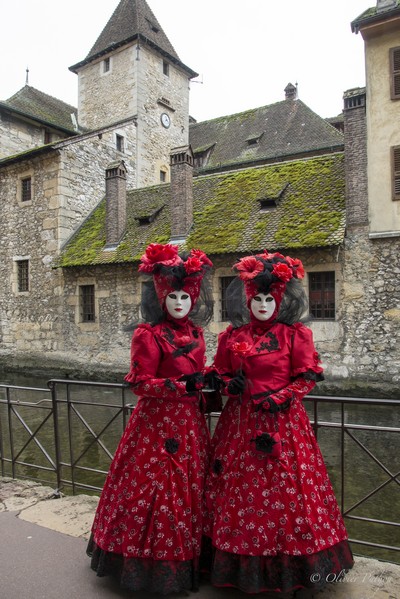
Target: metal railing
pixel 58 438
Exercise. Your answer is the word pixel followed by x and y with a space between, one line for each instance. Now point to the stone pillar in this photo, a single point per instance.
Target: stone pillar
pixel 181 193
pixel 115 203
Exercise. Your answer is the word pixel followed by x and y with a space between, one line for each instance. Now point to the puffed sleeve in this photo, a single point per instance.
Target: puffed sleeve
pixel 305 372
pixel 304 357
pixel 145 358
pixel 222 362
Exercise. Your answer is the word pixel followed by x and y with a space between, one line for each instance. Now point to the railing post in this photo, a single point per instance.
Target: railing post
pixel 53 388
pixel 2 448
pixel 10 429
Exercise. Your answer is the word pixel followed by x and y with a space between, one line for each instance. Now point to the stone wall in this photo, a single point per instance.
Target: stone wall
pixel 371 310
pixel 67 183
pixel 18 136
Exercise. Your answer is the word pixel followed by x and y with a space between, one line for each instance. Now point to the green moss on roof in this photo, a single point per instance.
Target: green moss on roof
pixel 89 240
pixel 227 215
pixel 311 212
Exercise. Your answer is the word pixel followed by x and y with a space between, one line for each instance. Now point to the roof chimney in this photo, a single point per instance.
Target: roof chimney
pixel 115 203
pixel 181 193
pixel 291 92
pixel 382 5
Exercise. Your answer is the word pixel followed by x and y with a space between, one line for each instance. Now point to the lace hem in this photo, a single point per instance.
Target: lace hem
pixel 141 574
pixel 283 573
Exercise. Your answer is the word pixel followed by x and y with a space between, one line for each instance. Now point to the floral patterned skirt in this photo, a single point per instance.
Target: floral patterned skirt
pixel 147 530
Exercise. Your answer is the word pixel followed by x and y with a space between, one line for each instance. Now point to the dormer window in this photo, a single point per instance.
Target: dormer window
pixel 267 204
pixel 253 140
pixel 270 201
pixel 152 26
pixel 147 219
pixel 201 155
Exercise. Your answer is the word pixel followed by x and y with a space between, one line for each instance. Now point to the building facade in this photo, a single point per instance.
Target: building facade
pixel 84 191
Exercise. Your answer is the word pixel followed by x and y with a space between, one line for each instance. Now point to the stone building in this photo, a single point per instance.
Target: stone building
pixel 84 191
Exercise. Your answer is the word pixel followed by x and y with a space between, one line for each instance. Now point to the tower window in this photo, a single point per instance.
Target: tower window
pixel 106 65
pixel 322 295
pixel 87 304
pixel 120 143
pixel 166 68
pixel 23 275
pixel 163 176
pixel 26 189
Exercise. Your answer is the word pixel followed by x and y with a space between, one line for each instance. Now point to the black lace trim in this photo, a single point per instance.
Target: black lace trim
pixel 310 375
pixel 282 573
pixel 271 344
pixel 145 574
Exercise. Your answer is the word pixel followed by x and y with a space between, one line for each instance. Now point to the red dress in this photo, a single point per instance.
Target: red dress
pixel 274 522
pixel 148 525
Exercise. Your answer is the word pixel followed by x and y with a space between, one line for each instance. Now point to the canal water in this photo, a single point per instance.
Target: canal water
pixel 372 458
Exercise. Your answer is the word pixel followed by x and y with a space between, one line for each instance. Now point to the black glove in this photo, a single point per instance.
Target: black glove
pixel 194 381
pixel 237 384
pixel 213 381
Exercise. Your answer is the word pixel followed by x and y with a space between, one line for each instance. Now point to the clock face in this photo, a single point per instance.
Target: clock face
pixel 165 120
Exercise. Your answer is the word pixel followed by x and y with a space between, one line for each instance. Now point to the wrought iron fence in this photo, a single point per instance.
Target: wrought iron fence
pixel 65 435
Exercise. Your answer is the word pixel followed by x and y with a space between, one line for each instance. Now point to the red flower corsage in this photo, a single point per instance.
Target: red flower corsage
pixel 282 272
pixel 202 257
pixel 249 268
pixel 192 265
pixel 241 348
pixel 157 253
pixel 297 267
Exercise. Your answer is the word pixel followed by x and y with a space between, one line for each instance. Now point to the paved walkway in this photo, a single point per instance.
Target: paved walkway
pixel 42 555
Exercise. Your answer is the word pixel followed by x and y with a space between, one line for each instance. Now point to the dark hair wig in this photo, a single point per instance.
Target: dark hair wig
pixel 292 309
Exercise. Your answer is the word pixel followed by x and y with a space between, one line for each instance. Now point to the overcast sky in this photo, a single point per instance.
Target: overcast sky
pixel 246 51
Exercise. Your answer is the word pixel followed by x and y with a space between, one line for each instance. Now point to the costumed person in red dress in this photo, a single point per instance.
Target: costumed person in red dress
pixel 273 518
pixel 147 529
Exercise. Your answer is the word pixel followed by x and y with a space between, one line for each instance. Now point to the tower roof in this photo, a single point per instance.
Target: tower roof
pixel 132 19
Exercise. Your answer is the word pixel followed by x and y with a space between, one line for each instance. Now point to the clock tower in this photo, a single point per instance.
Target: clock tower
pixel 133 81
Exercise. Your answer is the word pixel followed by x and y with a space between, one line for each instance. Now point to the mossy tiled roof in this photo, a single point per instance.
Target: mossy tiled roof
pixel 227 216
pixel 130 20
pixel 40 106
pixel 263 134
pixel 372 15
